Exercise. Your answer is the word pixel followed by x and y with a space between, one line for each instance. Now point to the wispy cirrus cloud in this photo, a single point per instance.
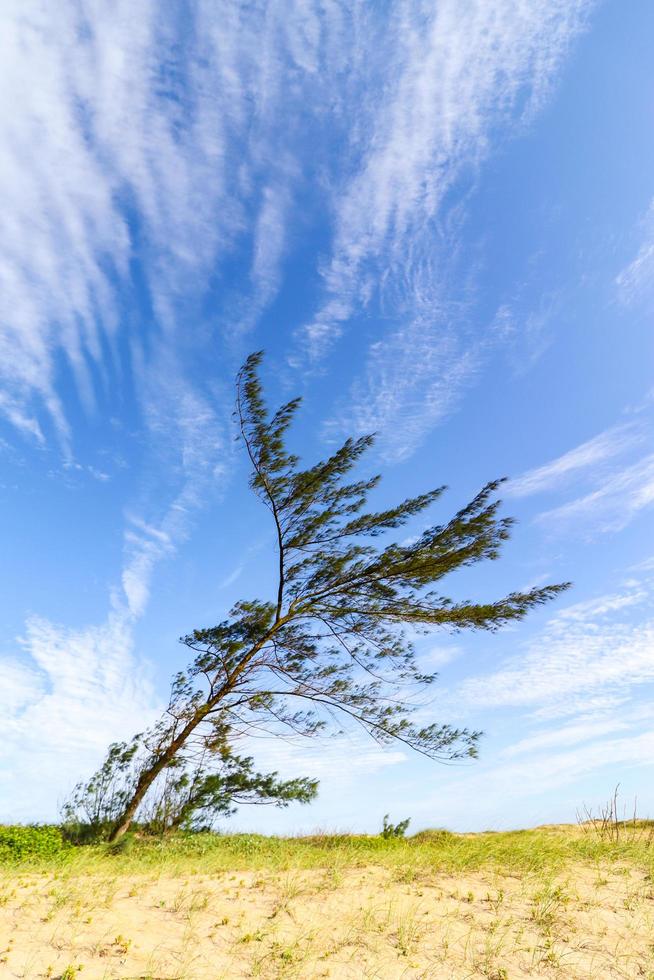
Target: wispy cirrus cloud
pixel 532 782
pixel 456 76
pixel 637 278
pixel 72 692
pixel 566 735
pixel 619 499
pixel 587 649
pixel 590 454
pixel 525 333
pixel 453 77
pixel 555 769
pixel 175 140
pixel 413 381
pixel 616 491
pixel 189 451
pixel 154 130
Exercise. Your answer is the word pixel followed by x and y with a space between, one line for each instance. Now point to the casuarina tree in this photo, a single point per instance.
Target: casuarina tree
pixel 332 644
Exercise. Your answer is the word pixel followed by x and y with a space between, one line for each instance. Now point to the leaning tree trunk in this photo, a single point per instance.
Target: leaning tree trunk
pixel 149 775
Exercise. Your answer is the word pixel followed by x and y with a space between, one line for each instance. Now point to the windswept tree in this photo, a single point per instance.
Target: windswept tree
pixel 334 640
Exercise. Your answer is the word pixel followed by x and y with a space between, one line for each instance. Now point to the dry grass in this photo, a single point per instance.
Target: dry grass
pixel 554 902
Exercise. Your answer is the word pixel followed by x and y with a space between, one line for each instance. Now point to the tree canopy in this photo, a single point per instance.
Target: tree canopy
pixel 333 643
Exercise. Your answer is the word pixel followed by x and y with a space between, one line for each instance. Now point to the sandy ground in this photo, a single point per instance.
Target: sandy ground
pixel 367 923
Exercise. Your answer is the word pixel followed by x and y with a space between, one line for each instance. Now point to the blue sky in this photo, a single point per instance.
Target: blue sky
pixel 438 220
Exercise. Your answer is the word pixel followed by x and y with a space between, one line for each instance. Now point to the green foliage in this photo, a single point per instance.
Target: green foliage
pixel 394 829
pixel 332 645
pixel 19 843
pixel 192 798
pixel 187 796
pixel 94 805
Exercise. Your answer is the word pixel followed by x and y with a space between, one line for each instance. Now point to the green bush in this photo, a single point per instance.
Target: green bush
pixel 434 835
pixel 20 842
pixel 394 830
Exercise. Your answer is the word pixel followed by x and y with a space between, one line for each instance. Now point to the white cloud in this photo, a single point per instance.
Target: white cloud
pixel 189 449
pixel 269 242
pixel 533 780
pixel 588 455
pixel 439 656
pixel 585 650
pixel 322 757
pixel 76 691
pixel 620 498
pixel 232 577
pixel 582 704
pixel 553 770
pixel 413 381
pixel 581 731
pixel 637 277
pixel 175 139
pixel 525 332
pixel 564 663
pixel 455 75
pixel 137 573
pixel 133 132
pixel 647 565
pixel 19 682
pixel 590 610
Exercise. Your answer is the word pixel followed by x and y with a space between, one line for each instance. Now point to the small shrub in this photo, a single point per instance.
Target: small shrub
pixel 71 972
pixel 18 843
pixel 433 835
pixel 391 830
